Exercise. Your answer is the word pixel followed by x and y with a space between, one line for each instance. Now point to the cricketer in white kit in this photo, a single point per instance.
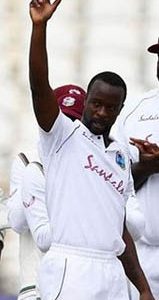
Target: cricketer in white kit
pixel 29 254
pixel 145 120
pixel 88 183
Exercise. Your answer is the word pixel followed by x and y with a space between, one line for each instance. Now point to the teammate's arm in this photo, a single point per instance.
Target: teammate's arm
pixel 141 172
pixel 15 214
pixel 34 206
pixel 133 269
pixel 148 161
pixel 44 103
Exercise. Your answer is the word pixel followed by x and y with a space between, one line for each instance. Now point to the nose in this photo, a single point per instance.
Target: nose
pixel 102 111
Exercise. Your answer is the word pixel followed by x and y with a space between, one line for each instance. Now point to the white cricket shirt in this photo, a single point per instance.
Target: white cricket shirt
pixel 87 186
pixel 141 122
pixel 29 254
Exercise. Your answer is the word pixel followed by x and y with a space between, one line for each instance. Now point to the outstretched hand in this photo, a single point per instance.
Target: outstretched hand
pixel 148 150
pixel 42 10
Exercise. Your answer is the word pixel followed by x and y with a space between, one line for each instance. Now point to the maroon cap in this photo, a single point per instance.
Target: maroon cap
pixel 154 48
pixel 70 99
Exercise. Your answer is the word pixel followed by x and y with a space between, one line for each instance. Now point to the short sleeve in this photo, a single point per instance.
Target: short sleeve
pixel 51 141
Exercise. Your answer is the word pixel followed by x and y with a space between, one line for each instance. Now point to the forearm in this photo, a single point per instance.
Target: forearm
pixel 38 223
pixel 16 217
pixel 38 62
pixel 141 172
pixel 132 267
pixel 45 106
pixel 42 237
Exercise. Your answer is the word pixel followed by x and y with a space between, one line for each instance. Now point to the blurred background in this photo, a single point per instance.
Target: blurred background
pixel 84 37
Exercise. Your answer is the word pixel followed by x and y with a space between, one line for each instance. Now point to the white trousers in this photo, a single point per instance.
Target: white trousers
pixel 68 273
pixel 149 260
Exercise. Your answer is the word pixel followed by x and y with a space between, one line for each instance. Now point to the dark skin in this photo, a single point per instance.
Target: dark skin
pixel 132 267
pixel 103 104
pixel 103 99
pixel 45 106
pixel 148 161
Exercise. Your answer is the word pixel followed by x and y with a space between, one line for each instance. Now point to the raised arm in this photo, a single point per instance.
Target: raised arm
pixel 44 102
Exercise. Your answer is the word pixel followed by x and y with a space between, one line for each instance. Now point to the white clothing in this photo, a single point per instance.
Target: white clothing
pixel 135 220
pixel 78 210
pixel 149 257
pixel 3 211
pixel 145 120
pixel 81 274
pixel 34 207
pixel 16 216
pixel 29 259
pixel 4 216
pixel 142 122
pixel 87 187
pixel 29 255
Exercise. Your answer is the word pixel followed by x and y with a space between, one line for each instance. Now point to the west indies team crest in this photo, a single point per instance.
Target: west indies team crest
pixel 120 159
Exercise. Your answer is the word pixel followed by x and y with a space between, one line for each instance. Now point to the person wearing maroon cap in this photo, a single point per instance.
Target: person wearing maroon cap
pixel 88 182
pixel 144 134
pixel 70 99
pixel 30 218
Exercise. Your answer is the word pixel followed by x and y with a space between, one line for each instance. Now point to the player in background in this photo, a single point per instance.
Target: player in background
pixel 29 254
pixel 138 128
pixel 27 210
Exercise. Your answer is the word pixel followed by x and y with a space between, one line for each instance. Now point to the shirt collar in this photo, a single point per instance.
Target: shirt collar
pixel 98 139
